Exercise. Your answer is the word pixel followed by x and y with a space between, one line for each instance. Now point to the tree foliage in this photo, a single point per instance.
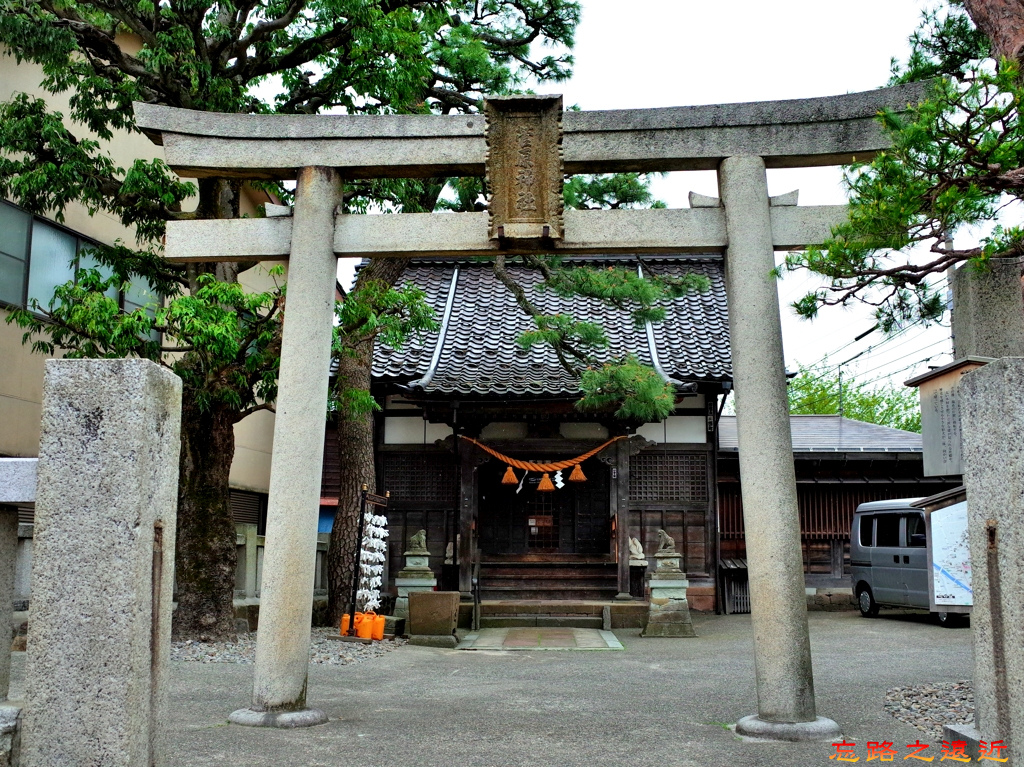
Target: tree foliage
pixel 375 312
pixel 637 390
pixel 256 56
pixel 956 165
pixel 819 390
pixel 221 321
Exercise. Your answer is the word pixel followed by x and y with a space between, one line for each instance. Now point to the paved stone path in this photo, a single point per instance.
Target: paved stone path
pixel 540 639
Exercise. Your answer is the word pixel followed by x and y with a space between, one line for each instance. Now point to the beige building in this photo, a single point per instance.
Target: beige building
pixel 37 253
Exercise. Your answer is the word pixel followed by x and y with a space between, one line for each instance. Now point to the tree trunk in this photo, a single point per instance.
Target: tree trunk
pixel 205 552
pixel 1002 21
pixel 355 453
pixel 205 555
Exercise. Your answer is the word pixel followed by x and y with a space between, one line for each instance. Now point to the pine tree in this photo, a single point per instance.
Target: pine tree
pixel 956 165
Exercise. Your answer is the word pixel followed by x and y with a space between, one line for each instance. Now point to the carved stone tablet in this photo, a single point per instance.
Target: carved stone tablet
pixel 524 167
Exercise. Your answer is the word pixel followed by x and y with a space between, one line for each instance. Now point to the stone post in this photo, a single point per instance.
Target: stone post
pixel 782 652
pixel 992 414
pixel 289 559
pixel 8 561
pixel 988 310
pixel 103 565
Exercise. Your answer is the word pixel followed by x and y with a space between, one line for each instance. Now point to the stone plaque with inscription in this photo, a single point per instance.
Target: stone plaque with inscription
pixel 524 167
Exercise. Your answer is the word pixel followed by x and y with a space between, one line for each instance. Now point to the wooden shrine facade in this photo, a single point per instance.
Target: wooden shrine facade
pixel 470 378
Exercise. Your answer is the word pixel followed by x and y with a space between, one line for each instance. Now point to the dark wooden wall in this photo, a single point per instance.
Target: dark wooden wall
pixel 422 481
pixel 826 512
pixel 671 488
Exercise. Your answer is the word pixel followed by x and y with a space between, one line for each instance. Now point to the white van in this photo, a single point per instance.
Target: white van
pixel 889 559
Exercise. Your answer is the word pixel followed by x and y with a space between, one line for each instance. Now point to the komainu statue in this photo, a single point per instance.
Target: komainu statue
pixel 666 545
pixel 636 549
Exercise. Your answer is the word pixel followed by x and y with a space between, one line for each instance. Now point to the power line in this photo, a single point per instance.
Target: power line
pixel 827 396
pixel 890 362
pixel 873 348
pixel 939 284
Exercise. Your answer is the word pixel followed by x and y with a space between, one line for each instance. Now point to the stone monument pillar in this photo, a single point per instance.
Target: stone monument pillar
pixel 103 565
pixel 416 575
pixel 669 612
pixel 782 651
pixel 992 413
pixel 286 600
pixel 988 310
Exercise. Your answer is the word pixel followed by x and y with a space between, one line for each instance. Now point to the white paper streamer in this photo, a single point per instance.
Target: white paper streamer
pixel 371 558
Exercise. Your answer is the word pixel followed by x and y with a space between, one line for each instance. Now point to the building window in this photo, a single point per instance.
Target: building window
pixel 15 226
pixel 36 256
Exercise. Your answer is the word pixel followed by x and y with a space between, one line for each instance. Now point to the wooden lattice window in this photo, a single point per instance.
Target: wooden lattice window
pixel 423 477
pixel 669 477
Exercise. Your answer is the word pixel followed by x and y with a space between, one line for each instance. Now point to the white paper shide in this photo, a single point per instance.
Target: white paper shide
pixel 371 561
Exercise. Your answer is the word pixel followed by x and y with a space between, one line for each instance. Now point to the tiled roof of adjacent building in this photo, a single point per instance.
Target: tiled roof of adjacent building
pixel 833 434
pixel 474 352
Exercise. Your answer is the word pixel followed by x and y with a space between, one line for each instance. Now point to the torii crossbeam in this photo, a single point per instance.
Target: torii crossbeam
pixel 524 145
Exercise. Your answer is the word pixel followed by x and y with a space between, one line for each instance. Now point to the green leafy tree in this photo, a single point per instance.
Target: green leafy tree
pixel 956 163
pixel 818 390
pixel 363 56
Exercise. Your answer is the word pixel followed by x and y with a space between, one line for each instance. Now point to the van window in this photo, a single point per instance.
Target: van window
pixel 866 528
pixel 915 531
pixel 887 531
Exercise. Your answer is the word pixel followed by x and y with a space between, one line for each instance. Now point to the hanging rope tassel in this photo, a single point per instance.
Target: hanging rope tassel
pixel 577 474
pixel 510 477
pixel 545 485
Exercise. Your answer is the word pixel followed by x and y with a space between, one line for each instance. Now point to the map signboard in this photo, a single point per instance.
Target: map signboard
pixel 950 559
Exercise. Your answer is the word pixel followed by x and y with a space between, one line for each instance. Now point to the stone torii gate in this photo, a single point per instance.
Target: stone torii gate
pixel 524 145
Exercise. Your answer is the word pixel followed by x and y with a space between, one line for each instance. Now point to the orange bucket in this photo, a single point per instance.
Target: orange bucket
pixel 364 624
pixel 378 627
pixel 345 620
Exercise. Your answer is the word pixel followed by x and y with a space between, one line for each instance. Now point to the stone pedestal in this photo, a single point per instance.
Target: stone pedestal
pixel 103 566
pixel 782 648
pixel 992 417
pixel 433 618
pixel 415 576
pixel 637 571
pixel 669 612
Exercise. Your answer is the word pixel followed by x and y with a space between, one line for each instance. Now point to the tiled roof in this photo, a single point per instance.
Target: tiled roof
pixel 832 434
pixel 474 351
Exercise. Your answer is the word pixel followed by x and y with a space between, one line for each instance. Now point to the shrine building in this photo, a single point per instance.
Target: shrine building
pixel 679 475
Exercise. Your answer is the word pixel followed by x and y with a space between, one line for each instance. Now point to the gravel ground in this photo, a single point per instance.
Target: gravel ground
pixel 322 649
pixel 928 707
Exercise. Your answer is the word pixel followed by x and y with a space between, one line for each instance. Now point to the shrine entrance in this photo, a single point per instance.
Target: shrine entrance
pixel 521 520
pixel 524 151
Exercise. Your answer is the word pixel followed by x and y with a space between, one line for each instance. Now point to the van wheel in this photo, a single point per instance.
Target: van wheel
pixel 866 602
pixel 951 620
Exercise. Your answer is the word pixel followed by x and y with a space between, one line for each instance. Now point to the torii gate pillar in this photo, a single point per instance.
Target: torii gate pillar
pixel 282 643
pixel 782 649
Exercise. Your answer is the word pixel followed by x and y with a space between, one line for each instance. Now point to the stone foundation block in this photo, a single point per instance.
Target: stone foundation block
pixel 10 735
pixel 427 640
pixel 433 613
pixel 669 618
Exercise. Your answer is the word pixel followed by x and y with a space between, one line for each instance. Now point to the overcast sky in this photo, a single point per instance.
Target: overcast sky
pixel 657 53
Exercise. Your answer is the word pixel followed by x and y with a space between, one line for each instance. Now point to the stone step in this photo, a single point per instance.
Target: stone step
pixel 551 592
pixel 544 621
pixel 580 613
